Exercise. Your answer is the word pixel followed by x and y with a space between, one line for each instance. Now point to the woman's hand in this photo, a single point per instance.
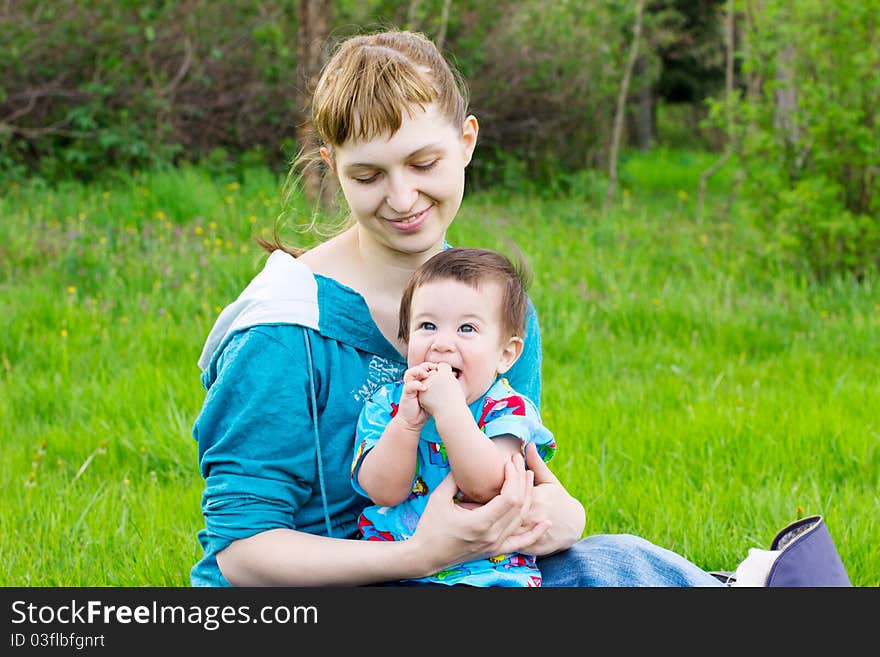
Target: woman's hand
pixel 449 533
pixel 550 503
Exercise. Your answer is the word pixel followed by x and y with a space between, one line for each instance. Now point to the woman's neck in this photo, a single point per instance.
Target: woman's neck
pixel 378 273
pixel 385 270
pixel 365 265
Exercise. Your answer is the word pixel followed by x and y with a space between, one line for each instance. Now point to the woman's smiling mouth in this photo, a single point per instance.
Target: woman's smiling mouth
pixel 411 222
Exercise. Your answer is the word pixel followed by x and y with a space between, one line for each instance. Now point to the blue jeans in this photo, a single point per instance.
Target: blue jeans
pixel 620 560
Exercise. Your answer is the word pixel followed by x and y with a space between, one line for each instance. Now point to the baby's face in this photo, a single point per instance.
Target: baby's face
pixel 452 322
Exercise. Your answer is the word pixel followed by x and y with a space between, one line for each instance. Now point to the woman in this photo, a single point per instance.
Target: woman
pixel 288 365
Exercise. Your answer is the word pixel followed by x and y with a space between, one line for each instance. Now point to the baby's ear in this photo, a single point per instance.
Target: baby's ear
pixel 510 354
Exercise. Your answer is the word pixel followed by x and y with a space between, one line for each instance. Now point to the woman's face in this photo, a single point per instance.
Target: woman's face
pixel 404 189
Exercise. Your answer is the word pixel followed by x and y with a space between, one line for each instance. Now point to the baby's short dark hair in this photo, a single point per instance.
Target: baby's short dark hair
pixel 472 267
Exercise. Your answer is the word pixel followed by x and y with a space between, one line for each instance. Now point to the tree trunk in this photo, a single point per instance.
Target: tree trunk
pixel 314 28
pixel 786 95
pixel 645 120
pixel 412 15
pixel 444 23
pixel 621 105
pixel 729 32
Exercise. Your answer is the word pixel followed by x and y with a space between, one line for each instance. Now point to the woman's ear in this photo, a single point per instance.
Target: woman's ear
pixel 469 132
pixel 327 156
pixel 510 354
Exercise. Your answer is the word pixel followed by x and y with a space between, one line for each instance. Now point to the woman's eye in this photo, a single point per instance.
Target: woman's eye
pixel 367 180
pixel 427 166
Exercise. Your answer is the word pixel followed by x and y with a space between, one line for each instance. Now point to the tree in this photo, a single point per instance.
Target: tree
pixel 314 28
pixel 808 132
pixel 729 32
pixel 621 104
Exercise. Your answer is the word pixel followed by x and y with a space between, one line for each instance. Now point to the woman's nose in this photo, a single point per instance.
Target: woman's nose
pixel 402 195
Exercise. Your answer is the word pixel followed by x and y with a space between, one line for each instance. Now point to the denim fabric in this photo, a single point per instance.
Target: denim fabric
pixel 621 560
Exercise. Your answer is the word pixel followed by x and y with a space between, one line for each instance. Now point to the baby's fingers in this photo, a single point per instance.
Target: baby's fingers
pixel 413 387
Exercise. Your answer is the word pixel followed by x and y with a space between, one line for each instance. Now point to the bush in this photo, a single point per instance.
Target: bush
pixel 809 132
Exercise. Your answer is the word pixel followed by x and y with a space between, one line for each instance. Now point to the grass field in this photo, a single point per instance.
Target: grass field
pixel 701 397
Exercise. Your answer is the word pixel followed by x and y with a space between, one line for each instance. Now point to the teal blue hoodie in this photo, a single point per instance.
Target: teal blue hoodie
pixel 294 347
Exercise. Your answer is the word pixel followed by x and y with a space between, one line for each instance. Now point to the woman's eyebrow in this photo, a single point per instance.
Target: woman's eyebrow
pixel 422 150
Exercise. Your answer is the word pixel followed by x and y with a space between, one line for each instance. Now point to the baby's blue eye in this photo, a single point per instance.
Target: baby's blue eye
pixel 427 326
pixel 467 328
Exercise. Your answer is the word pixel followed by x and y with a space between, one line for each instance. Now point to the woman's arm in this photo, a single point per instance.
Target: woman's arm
pixel 447 534
pixel 551 504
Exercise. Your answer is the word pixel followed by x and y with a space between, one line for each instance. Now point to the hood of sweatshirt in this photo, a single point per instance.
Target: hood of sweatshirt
pixel 286 291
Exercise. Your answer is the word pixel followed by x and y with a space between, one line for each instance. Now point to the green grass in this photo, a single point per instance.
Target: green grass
pixel 701 398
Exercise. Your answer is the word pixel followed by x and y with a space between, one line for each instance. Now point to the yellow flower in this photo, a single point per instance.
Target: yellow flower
pixel 232 186
pixel 198 230
pixel 71 289
pixel 64 333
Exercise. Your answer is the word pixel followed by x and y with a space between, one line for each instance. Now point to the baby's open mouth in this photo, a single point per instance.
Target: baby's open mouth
pixel 456 372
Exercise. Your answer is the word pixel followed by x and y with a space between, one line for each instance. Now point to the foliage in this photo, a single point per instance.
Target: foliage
pixel 808 133
pixel 88 86
pixel 139 83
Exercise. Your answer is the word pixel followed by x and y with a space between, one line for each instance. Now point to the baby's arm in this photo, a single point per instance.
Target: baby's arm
pixel 477 464
pixel 387 470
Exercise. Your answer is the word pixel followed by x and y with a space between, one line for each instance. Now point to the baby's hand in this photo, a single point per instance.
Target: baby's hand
pixel 441 390
pixel 419 372
pixel 410 411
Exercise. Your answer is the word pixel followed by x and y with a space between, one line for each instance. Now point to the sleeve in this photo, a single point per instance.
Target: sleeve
pixel 255 437
pixel 375 416
pixel 525 375
pixel 516 415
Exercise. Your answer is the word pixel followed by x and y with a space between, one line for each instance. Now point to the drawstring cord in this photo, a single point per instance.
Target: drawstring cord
pixel 314 402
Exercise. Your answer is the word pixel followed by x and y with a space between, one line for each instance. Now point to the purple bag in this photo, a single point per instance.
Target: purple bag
pixel 808 556
pixel 802 554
